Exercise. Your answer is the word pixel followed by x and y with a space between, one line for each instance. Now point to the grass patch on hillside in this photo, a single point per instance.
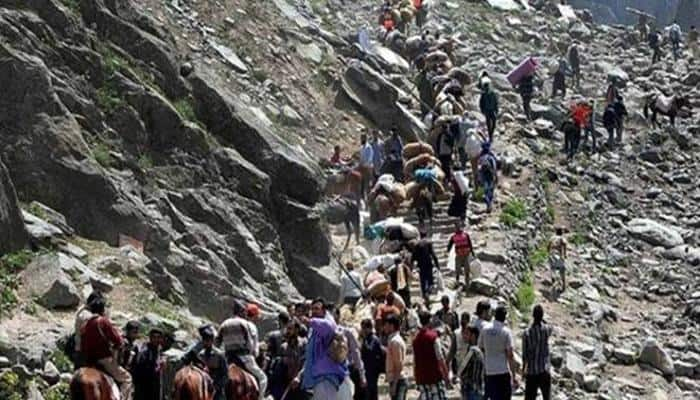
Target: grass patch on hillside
pixel 10 265
pixel 11 387
pixel 72 5
pixel 59 391
pixel 145 162
pixel 108 98
pixel 102 155
pixel 538 256
pixel 513 212
pixel 61 361
pixel 525 295
pixel 185 108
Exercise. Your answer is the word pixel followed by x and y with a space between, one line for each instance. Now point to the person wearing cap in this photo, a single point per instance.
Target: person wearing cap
pixel 147 367
pixel 239 337
pixel 215 362
pixel 488 104
pixel 128 351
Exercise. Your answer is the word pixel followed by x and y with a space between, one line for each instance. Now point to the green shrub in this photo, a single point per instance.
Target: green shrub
pixel 513 212
pixel 72 5
pixel 101 153
pixel 61 361
pixel 186 110
pixel 525 295
pixel 479 194
pixel 10 265
pixel 579 238
pixel 538 256
pixel 108 98
pixel 11 387
pixel 60 391
pixel 145 162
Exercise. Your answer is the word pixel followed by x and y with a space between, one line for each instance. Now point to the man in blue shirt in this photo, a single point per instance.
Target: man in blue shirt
pixel 366 164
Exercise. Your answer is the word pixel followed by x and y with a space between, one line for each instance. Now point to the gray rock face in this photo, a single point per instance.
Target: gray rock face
pixel 46 279
pixel 655 356
pixel 655 233
pixel 13 235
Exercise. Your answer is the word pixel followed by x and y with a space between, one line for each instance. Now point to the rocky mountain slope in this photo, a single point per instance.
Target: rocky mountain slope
pixel 166 151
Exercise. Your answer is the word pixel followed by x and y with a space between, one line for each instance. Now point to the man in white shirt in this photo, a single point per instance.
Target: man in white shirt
pixel 366 165
pixel 496 341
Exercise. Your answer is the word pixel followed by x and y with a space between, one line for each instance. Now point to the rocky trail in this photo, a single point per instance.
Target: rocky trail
pixel 161 150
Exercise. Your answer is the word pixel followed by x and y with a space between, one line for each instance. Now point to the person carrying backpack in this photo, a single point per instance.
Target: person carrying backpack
pixel 526 88
pixel 488 174
pixel 675 35
pixel 488 103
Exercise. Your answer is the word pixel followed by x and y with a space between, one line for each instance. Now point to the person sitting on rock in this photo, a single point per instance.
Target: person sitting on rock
pixel 99 340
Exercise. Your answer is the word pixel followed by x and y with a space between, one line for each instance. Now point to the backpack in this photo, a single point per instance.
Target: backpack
pixel 338 348
pixel 675 33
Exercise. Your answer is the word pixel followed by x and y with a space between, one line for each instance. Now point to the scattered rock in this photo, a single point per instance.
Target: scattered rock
pixel 655 233
pixel 13 234
pixel 653 355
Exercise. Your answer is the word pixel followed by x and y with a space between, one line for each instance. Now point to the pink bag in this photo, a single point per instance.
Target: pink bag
pixel 527 67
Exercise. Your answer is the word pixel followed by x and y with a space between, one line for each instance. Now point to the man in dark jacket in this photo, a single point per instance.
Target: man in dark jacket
pixel 610 123
pixel 654 40
pixel 488 103
pixel 526 88
pixel 575 63
pixel 426 259
pixel 372 357
pixel 147 366
pixel 215 362
pixel 559 83
pixel 128 352
pixel 621 114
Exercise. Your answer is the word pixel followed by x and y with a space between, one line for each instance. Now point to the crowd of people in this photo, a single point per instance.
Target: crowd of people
pixel 319 351
pixel 340 350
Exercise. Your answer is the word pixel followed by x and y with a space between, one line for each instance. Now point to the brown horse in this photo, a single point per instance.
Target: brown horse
pixel 668 106
pixel 192 383
pixel 344 183
pixel 91 384
pixel 241 385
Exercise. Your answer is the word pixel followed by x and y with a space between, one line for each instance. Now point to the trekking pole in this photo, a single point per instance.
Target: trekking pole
pixel 347 273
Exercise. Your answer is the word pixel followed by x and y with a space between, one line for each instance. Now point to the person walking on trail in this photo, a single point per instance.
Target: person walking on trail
pixel 429 365
pixel 590 127
pixel 426 259
pixel 215 362
pixel 496 341
pixel 377 154
pixel 356 366
pixel 612 92
pixel 470 368
pixel 351 289
pixel 693 45
pixel 482 315
pixel 400 279
pixel 395 358
pixel 488 174
pixel 147 367
pixel 654 41
pixel 559 82
pixel 488 103
pixel 526 88
pixel 557 249
pixel 325 373
pixel 446 315
pixel 99 339
pixel 445 149
pixel 462 243
pixel 239 337
pixel 610 123
pixel 675 35
pixel 536 358
pixel 366 165
pixel 575 63
pixel 394 161
pixel 373 358
pixel 288 364
pixel 620 115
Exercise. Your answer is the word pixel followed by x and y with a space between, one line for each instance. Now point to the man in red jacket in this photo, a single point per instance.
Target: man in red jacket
pixel 429 365
pixel 99 338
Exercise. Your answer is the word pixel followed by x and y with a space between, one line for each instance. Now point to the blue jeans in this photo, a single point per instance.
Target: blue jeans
pixel 425 275
pixel 469 393
pixel 489 188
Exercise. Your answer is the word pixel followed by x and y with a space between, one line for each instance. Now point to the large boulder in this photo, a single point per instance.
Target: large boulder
pixel 378 99
pixel 654 355
pixel 655 233
pixel 13 234
pixel 46 279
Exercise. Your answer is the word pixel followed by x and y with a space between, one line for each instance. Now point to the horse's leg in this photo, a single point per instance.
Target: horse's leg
pixel 672 117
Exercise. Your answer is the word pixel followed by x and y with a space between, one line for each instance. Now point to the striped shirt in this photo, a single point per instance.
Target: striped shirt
pixel 432 392
pixel 536 349
pixel 472 375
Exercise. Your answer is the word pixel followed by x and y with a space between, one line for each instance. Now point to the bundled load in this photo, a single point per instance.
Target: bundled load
pixel 462 182
pixel 391 229
pixel 387 260
pixel 417 148
pixel 387 185
pixel 424 160
pixel 526 68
